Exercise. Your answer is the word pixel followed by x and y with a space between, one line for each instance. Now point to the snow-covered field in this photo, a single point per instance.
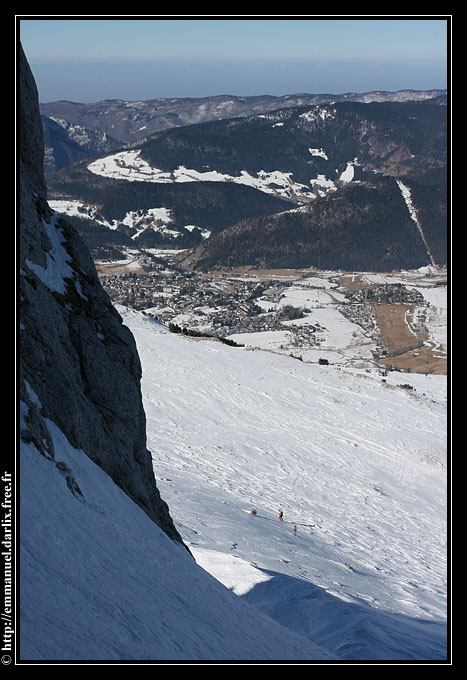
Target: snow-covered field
pixel 338 339
pixel 356 461
pixel 130 166
pixel 157 219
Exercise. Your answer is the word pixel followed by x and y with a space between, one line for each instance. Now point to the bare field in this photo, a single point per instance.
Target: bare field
pixel 423 360
pixel 394 331
pixel 265 274
pixel 406 349
pixel 119 268
pixel 353 282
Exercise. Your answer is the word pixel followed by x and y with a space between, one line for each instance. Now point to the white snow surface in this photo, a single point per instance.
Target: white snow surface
pixel 101 582
pixel 407 195
pixel 58 267
pixel 129 165
pixel 358 465
pixel 318 152
pixel 139 220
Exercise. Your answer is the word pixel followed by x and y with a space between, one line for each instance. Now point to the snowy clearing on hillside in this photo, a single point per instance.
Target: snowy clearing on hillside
pixel 130 166
pixel 357 463
pixel 156 219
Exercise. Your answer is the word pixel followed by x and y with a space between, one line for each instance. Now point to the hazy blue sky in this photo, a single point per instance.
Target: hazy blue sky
pixel 134 58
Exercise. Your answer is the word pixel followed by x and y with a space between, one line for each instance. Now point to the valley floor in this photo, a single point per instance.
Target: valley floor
pixel 396 321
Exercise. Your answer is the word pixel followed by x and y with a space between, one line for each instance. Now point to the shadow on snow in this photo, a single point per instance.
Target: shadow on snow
pixel 348 628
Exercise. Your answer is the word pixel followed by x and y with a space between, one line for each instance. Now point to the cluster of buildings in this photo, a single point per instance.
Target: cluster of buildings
pixel 223 306
pixel 385 294
pixel 359 304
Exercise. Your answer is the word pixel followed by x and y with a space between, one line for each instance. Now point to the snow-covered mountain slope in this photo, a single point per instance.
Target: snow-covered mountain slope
pixel 100 581
pixel 357 569
pixel 356 461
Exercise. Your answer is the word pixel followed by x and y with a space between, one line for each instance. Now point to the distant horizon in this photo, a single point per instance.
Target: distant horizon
pixel 227 94
pixel 134 59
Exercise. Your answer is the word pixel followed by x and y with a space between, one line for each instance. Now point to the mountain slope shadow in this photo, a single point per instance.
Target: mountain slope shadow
pixel 350 629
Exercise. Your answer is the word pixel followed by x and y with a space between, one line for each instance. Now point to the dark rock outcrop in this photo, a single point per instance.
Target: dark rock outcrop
pixel 79 365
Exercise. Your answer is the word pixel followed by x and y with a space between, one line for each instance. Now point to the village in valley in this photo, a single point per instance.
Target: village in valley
pixel 316 316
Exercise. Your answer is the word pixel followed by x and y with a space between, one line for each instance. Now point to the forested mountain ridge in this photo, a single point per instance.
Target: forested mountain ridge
pixel 129 121
pixel 361 227
pixel 389 138
pixel 181 186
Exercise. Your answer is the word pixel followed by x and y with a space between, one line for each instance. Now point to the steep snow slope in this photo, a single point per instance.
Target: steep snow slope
pixel 101 581
pixel 356 461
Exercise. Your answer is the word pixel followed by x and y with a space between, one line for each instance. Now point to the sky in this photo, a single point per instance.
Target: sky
pixel 128 57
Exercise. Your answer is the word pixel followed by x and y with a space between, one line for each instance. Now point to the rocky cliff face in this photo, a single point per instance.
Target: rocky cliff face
pixel 78 363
